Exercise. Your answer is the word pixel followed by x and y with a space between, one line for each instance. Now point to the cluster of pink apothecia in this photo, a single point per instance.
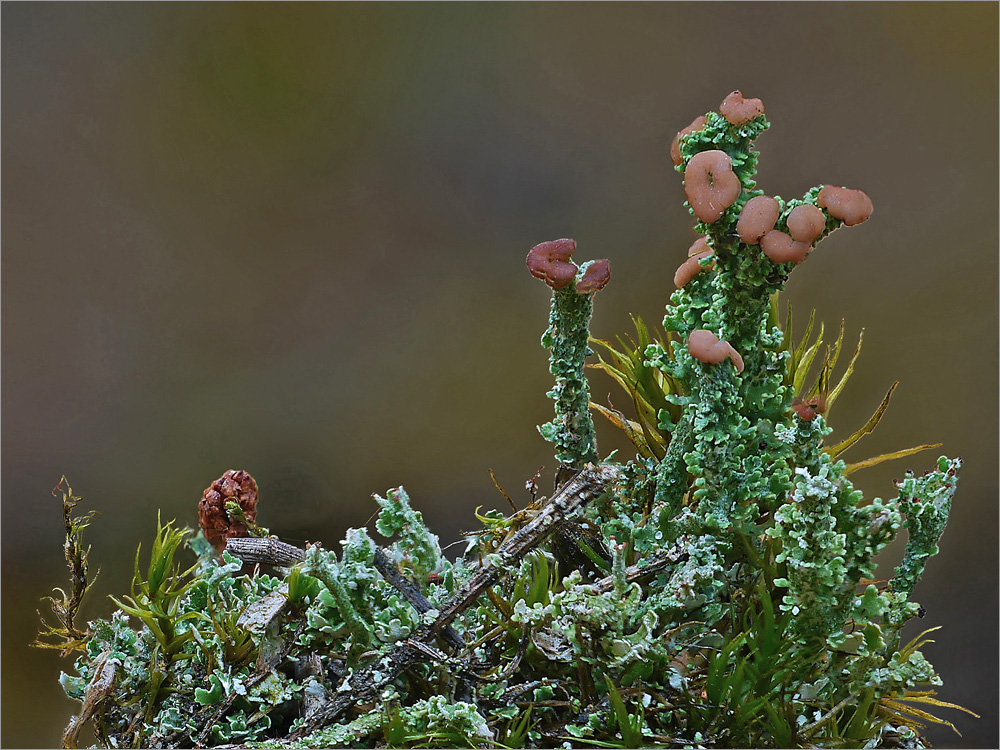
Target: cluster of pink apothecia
pixel 550 261
pixel 711 187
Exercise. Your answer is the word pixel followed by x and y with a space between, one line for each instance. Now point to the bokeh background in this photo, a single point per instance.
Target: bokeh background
pixel 290 238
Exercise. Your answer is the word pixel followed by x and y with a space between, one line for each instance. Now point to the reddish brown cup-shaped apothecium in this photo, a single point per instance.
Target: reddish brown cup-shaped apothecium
pixel 675 148
pixel 215 522
pixel 847 204
pixel 596 277
pixel 738 110
pixel 706 347
pixel 699 246
pixel 781 248
pixel 758 216
pixel 550 261
pixel 808 409
pixel 710 184
pixel 690 268
pixel 806 223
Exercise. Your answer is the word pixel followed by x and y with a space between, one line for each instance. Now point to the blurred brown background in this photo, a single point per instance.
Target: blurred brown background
pixel 290 239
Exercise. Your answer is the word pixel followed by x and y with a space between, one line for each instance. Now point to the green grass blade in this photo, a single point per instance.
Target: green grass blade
pixel 804 364
pixel 847 374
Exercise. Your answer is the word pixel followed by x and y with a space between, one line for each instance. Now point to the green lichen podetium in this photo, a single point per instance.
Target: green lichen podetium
pixel 926 502
pixel 717 590
pixel 417 551
pixel 572 431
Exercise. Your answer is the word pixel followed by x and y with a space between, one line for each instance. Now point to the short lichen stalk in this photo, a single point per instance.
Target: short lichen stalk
pixel 320 565
pixel 671 474
pixel 926 502
pixel 828 544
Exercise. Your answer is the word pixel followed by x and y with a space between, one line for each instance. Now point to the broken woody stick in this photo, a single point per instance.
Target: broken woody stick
pixel 589 484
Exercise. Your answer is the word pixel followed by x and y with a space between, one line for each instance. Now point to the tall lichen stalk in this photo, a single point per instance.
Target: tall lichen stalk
pixel 717 590
pixel 568 337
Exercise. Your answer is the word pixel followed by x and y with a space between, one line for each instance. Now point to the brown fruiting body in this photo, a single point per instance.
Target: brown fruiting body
pixel 215 522
pixel 740 111
pixel 706 347
pixel 550 262
pixel 699 246
pixel 807 409
pixel 806 223
pixel 675 148
pixel 781 248
pixel 690 268
pixel 847 204
pixel 759 215
pixel 595 277
pixel 710 184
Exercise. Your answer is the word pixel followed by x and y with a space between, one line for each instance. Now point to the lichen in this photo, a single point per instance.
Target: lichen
pixel 572 430
pixel 718 589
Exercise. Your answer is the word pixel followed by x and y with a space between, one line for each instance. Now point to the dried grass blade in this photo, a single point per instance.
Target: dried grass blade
pixel 836 450
pixel 632 430
pixel 888 457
